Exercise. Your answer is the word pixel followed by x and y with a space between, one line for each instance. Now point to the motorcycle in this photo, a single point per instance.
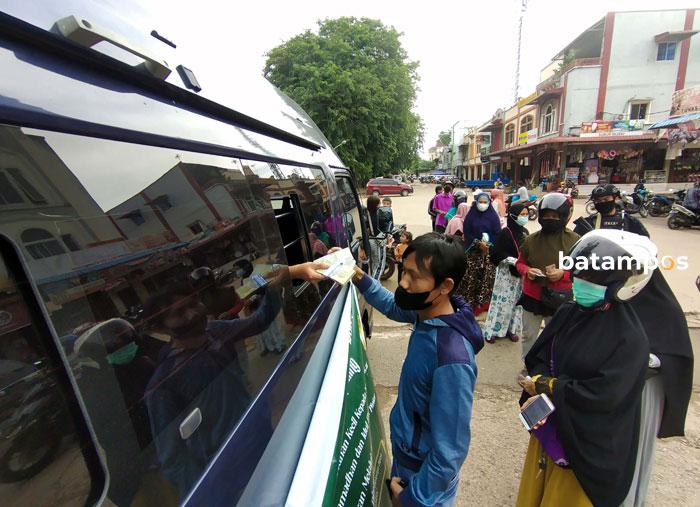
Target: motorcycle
pixel 35 420
pixel 681 216
pixel 570 189
pixel 659 205
pixel 390 261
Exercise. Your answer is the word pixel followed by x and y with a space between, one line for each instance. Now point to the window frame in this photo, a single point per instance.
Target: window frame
pixel 666 46
pixel 527 121
pixel 510 133
pixel 549 114
pixel 639 103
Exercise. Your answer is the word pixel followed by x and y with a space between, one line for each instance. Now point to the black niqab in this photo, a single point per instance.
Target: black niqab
pixel 667 330
pixel 600 360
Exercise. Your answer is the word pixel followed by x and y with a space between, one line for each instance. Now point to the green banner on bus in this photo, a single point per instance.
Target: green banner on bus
pixel 359 468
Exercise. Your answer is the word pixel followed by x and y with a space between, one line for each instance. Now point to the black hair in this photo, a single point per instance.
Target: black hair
pixel 447 249
pixel 408 235
pixel 438 189
pixel 372 203
pixel 386 199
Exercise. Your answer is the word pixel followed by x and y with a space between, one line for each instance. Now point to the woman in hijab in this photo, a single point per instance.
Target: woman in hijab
pixel 456 223
pixel 505 318
pixel 318 248
pixel 499 204
pixel 480 229
pixel 590 360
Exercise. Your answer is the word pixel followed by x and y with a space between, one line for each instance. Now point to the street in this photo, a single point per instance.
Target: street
pixel 491 473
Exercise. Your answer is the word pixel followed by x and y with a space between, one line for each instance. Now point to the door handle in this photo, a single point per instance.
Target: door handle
pixel 85 33
pixel 190 424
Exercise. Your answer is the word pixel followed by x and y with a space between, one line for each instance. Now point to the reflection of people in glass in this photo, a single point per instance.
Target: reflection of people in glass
pixel 113 368
pixel 198 371
pixel 272 338
pixel 220 302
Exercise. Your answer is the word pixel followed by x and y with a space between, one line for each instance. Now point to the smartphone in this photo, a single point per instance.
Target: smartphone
pixel 541 275
pixel 536 411
pixel 259 280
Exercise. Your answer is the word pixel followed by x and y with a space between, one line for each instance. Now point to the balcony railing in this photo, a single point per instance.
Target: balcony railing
pixel 553 81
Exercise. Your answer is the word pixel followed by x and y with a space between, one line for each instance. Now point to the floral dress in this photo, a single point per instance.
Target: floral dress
pixel 505 316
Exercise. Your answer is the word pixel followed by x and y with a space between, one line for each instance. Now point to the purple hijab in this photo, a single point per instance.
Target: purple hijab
pixel 478 222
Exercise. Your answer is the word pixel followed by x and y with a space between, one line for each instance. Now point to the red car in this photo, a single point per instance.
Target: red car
pixel 386 186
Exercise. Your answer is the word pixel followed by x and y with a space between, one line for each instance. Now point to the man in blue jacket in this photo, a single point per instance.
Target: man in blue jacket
pixel 430 422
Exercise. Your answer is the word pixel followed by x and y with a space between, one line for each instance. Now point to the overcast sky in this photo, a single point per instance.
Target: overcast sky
pixel 466 49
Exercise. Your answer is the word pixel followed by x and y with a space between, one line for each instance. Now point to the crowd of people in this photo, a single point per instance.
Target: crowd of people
pixel 617 375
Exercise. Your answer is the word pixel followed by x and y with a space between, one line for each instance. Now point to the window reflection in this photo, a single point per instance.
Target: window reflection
pixel 163 273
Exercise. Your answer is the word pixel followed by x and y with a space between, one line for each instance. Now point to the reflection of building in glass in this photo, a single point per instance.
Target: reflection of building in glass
pixel 92 265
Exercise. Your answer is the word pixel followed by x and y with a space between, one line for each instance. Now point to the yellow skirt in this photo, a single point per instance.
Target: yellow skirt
pixel 552 487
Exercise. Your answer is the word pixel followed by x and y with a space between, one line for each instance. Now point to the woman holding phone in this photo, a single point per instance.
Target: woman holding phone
pixel 590 361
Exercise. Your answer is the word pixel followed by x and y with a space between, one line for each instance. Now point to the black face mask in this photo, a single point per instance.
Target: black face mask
pixel 604 207
pixel 412 301
pixel 550 225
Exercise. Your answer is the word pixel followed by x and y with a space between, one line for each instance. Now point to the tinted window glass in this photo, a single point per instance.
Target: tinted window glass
pixel 42 461
pixel 170 330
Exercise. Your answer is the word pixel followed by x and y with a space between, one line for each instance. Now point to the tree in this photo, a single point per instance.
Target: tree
pixel 355 81
pixel 424 166
pixel 445 137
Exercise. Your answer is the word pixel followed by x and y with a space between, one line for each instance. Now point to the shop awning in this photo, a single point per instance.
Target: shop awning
pixel 546 95
pixel 676 121
pixel 674 36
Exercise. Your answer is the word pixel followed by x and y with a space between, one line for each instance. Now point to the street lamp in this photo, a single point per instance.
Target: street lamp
pixel 340 144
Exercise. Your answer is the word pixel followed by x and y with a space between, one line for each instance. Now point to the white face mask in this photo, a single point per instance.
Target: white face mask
pixel 482 206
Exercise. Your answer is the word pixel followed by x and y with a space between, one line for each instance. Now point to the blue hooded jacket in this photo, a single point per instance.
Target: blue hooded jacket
pixel 429 423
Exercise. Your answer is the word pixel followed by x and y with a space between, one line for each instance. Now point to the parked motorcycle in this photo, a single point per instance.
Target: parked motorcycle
pixel 659 205
pixel 681 216
pixel 34 422
pixel 570 189
pixel 390 262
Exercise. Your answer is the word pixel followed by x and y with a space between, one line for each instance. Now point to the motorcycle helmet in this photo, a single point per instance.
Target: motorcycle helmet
pixel 201 276
pixel 605 190
pixel 619 260
pixel 459 196
pixel 563 204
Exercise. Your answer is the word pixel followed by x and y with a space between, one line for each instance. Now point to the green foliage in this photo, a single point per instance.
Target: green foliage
pixel 424 166
pixel 569 57
pixel 355 81
pixel 445 137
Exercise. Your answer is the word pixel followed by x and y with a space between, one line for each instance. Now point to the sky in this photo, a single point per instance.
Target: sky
pixel 466 50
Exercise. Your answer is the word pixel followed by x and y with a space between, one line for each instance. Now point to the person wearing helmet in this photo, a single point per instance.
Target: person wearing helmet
pixel 609 215
pixel 667 390
pixel 590 361
pixel 460 196
pixel 545 285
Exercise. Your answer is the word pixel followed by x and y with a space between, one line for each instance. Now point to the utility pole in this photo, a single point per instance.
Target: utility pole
pixel 523 7
pixel 452 142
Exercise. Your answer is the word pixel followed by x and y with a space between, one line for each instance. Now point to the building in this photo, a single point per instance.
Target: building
pixel 589 118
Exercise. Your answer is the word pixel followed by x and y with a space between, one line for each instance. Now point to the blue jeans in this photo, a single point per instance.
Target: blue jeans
pixel 450 496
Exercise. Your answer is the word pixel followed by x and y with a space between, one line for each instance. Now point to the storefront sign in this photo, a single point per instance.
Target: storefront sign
pixel 571 174
pixel 686 101
pixel 527 137
pixel 612 128
pixel 523 102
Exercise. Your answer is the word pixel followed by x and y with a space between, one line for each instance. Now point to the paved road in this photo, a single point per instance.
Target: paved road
pixel 491 473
